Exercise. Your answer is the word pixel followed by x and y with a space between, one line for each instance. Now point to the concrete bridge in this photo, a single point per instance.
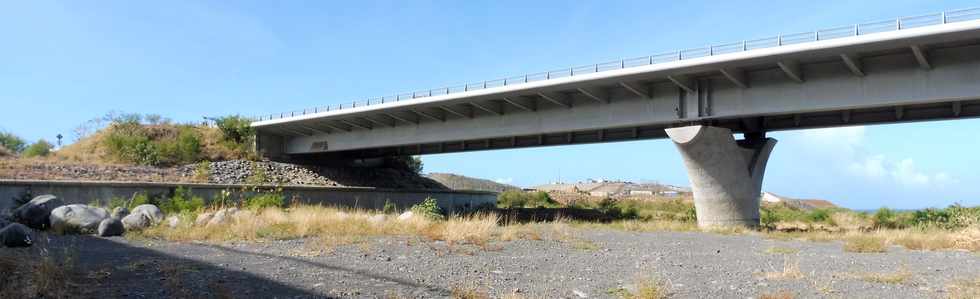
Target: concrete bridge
pixel 908 69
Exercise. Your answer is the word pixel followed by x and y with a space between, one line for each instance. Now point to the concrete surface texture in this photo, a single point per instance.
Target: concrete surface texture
pixel 726 176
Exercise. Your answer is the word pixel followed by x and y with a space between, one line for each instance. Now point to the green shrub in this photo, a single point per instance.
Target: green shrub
pixel 520 199
pixel 185 148
pixel 236 129
pixel 429 208
pixel 202 172
pixel 141 198
pixel 389 207
pixel 41 148
pixel 12 142
pixel 127 142
pixel 885 218
pixel 266 200
pixel 182 201
pixel 258 176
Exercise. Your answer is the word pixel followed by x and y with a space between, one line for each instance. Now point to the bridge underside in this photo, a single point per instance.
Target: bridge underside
pixel 868 116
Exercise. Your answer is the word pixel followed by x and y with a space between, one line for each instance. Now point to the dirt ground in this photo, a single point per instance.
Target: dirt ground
pixel 597 264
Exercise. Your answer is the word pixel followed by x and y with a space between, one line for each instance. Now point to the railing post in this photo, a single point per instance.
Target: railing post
pixel 711 50
pixel 943 15
pixel 743 46
pixel 484 84
pixel 622 64
pixel 857 29
pixel 779 40
pixel 596 67
pixel 525 78
pixel 898 24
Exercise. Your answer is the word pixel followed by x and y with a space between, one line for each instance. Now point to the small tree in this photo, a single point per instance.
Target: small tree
pixel 236 129
pixel 41 148
pixel 12 142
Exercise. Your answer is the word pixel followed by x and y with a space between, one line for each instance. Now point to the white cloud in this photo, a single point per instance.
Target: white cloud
pixel 847 147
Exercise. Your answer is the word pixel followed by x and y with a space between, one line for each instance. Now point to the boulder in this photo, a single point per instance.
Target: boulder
pixel 406 216
pixel 120 212
pixel 16 235
pixel 222 216
pixel 36 213
pixel 77 219
pixel 379 218
pixel 151 211
pixel 111 227
pixel 203 219
pixel 136 221
pixel 173 221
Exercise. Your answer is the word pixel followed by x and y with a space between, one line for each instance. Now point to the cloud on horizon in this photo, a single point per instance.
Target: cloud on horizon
pixel 850 152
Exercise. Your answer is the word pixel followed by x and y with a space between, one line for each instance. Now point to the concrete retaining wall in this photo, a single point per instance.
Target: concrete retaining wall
pixel 369 198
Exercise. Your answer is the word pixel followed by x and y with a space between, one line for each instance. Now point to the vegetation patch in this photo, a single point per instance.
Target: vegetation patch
pixel 782 250
pixel 865 244
pixel 897 277
pixel 647 288
pixel 964 288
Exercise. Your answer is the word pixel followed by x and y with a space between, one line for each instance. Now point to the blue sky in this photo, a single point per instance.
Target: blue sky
pixel 66 62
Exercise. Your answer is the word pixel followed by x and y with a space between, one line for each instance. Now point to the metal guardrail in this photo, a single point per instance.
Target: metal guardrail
pixel 901 23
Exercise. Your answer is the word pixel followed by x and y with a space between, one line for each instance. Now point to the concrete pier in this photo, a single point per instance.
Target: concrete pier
pixel 725 174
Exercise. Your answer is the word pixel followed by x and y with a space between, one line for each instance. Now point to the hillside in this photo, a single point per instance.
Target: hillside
pixel 459 182
pixel 136 148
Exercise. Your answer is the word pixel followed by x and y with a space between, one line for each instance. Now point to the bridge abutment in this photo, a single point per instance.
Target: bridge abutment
pixel 725 174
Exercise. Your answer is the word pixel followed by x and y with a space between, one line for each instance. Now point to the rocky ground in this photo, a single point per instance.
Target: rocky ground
pixel 600 262
pixel 224 172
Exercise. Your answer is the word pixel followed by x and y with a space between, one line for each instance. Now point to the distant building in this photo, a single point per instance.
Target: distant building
pixel 641 192
pixel 669 193
pixel 773 198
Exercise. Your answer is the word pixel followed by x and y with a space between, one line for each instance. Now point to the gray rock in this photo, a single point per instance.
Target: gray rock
pixel 16 235
pixel 120 212
pixel 222 216
pixel 203 219
pixel 136 221
pixel 151 211
pixel 111 227
pixel 406 216
pixel 36 213
pixel 173 221
pixel 77 219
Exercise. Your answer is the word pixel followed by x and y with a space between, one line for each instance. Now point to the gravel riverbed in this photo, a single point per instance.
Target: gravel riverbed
pixel 594 265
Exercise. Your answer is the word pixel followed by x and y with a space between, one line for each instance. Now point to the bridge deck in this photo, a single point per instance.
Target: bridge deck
pixel 921 73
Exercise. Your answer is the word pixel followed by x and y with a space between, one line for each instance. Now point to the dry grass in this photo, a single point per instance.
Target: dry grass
pixel 898 277
pixel 469 291
pixel 878 240
pixel 646 288
pixel 777 295
pixel 332 227
pixel 865 244
pixel 964 288
pixel 37 272
pixel 782 250
pixel 791 270
pixel 335 226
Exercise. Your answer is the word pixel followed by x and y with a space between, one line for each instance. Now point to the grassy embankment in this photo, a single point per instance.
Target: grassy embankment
pixel 534 216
